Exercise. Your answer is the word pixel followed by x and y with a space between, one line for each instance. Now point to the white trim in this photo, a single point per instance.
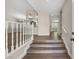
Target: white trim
pixel 20 34
pixel 6 39
pixel 67 47
pixel 17 36
pixel 23 48
pixel 25 52
pixel 12 47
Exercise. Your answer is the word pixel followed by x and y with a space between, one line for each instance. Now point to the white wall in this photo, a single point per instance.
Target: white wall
pixel 72 16
pixel 43 24
pixel 67 25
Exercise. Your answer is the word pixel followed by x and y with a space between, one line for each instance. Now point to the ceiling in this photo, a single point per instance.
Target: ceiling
pixel 18 8
pixel 49 6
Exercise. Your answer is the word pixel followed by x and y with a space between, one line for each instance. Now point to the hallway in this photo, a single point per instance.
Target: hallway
pixel 45 48
pixel 38 29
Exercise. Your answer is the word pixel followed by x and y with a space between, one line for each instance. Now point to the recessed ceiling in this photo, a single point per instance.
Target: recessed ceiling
pixel 47 5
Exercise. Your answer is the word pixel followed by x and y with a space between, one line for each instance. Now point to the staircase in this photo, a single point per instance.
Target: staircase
pixel 47 49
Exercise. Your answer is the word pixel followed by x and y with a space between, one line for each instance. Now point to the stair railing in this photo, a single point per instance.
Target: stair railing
pixel 16 35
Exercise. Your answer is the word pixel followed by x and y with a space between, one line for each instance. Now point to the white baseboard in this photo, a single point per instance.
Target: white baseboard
pixel 22 55
pixel 67 47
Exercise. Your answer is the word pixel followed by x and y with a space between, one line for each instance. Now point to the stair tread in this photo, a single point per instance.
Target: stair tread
pixel 48 41
pixel 47 45
pixel 46 48
pixel 59 54
pixel 46 51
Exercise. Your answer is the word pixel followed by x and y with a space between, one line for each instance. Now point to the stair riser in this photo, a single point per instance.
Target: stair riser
pixel 49 54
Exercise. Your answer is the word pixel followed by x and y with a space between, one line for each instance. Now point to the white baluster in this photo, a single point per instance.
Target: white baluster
pixel 32 27
pixel 20 34
pixel 26 32
pixel 23 34
pixel 16 35
pixel 6 38
pixel 12 47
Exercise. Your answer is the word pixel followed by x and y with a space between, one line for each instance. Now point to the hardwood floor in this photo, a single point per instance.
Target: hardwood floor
pixel 46 48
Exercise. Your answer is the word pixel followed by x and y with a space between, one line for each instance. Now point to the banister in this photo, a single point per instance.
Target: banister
pixel 22 31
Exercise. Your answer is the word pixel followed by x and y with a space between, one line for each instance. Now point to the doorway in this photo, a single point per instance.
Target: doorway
pixel 55 28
